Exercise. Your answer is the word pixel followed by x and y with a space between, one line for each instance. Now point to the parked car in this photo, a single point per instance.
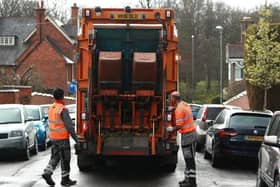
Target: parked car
pixel 72 112
pixel 206 114
pixel 269 155
pixel 17 130
pixel 195 108
pixel 41 124
pixel 235 133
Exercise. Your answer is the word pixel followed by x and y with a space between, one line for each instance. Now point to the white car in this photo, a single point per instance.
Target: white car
pixel 17 131
pixel 72 112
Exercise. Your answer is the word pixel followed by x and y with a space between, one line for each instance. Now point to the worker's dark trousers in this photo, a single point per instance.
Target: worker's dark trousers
pixel 60 151
pixel 188 149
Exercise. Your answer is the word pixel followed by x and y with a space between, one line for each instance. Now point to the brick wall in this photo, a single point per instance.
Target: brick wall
pixel 24 95
pixel 49 65
pixel 40 98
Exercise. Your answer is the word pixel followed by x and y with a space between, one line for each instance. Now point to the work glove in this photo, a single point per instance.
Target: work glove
pixel 77 147
pixel 170 129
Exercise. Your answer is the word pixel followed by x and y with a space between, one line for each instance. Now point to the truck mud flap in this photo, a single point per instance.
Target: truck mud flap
pixel 126 146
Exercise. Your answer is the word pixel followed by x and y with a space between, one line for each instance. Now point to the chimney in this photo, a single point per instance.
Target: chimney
pixel 74 14
pixel 40 19
pixel 245 23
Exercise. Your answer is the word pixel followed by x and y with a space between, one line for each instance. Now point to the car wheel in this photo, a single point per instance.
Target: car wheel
pixel 44 145
pixel 35 146
pixel 26 152
pixel 260 181
pixel 206 154
pixel 215 161
pixel 276 181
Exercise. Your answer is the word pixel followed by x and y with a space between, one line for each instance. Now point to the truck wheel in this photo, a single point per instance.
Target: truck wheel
pixel 84 162
pixel 170 168
pixel 169 163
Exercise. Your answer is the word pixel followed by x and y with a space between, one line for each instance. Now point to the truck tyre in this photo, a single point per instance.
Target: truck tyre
pixel 84 162
pixel 170 168
pixel 169 163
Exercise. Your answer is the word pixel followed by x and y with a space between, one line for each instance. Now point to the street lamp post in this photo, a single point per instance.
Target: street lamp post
pixel 220 29
pixel 192 67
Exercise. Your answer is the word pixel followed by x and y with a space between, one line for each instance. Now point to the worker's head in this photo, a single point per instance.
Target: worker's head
pixel 58 94
pixel 175 97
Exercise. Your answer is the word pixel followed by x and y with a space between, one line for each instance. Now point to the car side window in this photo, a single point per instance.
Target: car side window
pixel 199 114
pixel 274 127
pixel 220 118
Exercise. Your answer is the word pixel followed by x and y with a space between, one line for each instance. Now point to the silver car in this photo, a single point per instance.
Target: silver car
pixel 17 132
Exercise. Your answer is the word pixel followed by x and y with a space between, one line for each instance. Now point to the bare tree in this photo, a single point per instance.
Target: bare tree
pixel 17 8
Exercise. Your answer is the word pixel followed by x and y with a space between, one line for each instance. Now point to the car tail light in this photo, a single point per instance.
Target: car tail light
pixel 227 133
pixel 204 116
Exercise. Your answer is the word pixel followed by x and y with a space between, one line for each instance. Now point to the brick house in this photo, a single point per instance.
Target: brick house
pixel 38 49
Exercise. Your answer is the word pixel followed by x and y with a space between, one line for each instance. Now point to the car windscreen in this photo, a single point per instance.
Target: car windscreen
pixel 34 113
pixel 44 110
pixel 249 121
pixel 10 115
pixel 195 108
pixel 71 109
pixel 212 113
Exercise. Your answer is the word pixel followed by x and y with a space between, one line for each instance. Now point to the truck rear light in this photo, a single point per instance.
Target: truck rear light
pixel 85 126
pixel 87 13
pixel 227 133
pixel 168 14
pixel 98 11
pixel 169 117
pixel 83 116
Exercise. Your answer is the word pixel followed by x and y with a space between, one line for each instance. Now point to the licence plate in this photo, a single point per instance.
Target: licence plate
pixel 126 16
pixel 255 138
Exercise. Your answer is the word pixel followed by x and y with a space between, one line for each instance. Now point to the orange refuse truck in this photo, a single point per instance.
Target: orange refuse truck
pixel 126 69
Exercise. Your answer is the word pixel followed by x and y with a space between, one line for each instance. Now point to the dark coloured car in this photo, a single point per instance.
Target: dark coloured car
pixel 206 114
pixel 269 155
pixel 195 109
pixel 235 133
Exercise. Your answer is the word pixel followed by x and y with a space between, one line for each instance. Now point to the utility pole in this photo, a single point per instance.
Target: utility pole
pixel 220 29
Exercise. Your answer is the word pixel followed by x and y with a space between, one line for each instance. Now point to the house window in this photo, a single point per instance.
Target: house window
pixel 7 40
pixel 238 73
pixel 238 70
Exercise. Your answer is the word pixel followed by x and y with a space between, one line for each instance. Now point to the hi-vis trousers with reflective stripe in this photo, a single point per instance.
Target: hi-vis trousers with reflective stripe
pixel 188 149
pixel 60 151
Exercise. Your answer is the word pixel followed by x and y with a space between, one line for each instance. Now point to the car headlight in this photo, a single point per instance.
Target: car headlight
pixel 16 133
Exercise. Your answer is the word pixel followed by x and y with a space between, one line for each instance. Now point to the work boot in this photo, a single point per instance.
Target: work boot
pixel 48 179
pixel 66 181
pixel 187 183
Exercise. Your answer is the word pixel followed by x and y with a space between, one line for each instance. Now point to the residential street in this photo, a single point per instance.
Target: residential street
pixel 27 174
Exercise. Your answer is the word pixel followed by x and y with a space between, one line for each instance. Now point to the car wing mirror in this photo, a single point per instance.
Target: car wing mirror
pixel 170 108
pixel 209 123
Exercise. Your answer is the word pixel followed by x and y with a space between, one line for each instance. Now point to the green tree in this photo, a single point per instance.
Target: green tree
pixel 262 54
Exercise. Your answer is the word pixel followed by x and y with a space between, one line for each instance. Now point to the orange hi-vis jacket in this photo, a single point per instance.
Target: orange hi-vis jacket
pixel 57 130
pixel 184 118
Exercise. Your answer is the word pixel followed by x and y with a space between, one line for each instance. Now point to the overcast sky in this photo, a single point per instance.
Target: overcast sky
pixel 244 4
